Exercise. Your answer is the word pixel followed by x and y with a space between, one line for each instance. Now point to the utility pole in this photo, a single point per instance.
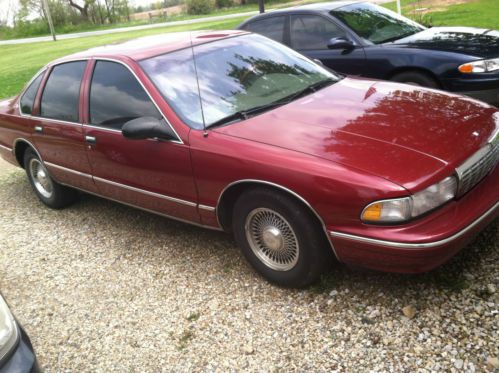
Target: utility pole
pixel 49 18
pixel 399 11
pixel 261 6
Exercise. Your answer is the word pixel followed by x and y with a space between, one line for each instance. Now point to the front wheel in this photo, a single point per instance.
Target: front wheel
pixel 280 238
pixel 51 193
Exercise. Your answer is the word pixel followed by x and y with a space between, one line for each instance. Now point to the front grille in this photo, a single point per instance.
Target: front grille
pixel 471 172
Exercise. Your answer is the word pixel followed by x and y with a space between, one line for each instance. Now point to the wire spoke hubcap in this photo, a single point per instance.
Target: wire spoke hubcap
pixel 272 239
pixel 41 178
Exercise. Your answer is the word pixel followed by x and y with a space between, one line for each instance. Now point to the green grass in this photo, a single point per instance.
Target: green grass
pixel 478 13
pixel 18 63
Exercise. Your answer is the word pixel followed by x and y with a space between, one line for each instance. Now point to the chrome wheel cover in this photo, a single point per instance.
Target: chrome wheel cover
pixel 41 179
pixel 272 239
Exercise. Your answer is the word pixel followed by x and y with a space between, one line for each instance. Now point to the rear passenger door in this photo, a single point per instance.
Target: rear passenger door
pixel 310 33
pixel 56 120
pixel 152 174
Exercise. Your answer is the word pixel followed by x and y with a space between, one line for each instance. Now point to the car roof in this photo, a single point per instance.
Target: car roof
pixel 315 7
pixel 149 46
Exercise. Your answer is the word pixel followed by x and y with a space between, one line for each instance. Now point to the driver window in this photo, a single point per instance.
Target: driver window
pixel 312 32
pixel 117 97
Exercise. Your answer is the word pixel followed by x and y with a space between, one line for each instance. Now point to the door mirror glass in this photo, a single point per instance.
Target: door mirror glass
pixel 146 128
pixel 340 43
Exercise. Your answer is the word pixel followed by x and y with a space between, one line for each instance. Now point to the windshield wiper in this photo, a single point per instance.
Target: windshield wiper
pixel 245 114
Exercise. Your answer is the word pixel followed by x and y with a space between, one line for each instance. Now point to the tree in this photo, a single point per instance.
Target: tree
pixel 83 9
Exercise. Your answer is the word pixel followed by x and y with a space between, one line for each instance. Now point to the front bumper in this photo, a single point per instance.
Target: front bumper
pixel 490 96
pixel 22 359
pixel 484 88
pixel 426 243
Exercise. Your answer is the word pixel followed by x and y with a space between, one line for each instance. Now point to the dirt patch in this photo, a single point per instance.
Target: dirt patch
pixel 426 6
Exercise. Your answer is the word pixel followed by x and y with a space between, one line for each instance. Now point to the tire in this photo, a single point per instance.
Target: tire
pixel 415 78
pixel 51 193
pixel 266 224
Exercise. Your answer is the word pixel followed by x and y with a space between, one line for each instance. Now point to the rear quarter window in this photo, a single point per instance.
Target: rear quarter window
pixel 272 27
pixel 28 98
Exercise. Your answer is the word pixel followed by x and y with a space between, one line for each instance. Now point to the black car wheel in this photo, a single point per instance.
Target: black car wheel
pixel 51 193
pixel 280 238
pixel 415 78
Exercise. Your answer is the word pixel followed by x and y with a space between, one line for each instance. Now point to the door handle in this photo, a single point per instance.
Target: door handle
pixel 91 139
pixel 39 129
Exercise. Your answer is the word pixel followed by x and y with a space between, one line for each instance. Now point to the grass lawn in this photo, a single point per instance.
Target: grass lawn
pixel 474 13
pixel 18 63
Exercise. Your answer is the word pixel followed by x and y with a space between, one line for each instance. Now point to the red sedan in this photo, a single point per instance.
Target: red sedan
pixel 235 132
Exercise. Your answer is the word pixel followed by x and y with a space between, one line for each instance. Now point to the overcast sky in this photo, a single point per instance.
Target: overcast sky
pixel 9 7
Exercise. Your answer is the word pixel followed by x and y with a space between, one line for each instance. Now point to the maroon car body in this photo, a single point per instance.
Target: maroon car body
pixel 335 151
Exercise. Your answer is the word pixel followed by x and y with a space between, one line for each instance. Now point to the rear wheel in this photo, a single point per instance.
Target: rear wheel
pixel 415 78
pixel 280 238
pixel 51 193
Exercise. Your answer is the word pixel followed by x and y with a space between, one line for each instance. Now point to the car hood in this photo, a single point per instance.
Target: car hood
pixel 410 136
pixel 467 40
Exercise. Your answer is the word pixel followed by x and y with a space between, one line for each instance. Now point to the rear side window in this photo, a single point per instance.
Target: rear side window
pixel 29 96
pixel 61 95
pixel 312 32
pixel 272 28
pixel 117 97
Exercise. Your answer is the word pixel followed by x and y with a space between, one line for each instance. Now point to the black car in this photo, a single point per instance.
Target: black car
pixel 16 352
pixel 364 39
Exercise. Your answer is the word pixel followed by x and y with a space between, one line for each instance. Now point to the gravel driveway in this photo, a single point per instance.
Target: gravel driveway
pixel 101 287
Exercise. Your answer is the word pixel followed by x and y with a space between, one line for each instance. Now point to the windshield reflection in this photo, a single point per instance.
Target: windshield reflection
pixel 234 74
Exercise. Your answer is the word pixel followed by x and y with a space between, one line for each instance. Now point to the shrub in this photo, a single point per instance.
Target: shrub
pixel 199 6
pixel 224 3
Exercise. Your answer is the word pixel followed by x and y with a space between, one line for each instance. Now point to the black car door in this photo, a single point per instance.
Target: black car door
pixel 310 34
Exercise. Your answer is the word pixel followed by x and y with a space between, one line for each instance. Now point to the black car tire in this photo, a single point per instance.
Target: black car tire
pixel 51 193
pixel 415 78
pixel 256 214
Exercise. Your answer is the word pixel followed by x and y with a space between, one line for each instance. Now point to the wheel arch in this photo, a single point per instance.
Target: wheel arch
pixel 417 69
pixel 19 148
pixel 232 191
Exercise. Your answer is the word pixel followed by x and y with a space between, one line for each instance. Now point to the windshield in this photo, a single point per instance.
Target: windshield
pixel 376 24
pixel 235 75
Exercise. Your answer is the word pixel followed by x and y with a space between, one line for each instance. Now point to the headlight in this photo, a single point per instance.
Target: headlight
pixel 483 66
pixel 8 329
pixel 402 209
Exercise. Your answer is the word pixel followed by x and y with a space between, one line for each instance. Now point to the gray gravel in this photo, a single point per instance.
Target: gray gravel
pixel 101 287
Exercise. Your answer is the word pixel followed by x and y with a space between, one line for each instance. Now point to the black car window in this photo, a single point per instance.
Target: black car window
pixel 60 99
pixel 117 97
pixel 312 32
pixel 29 96
pixel 272 27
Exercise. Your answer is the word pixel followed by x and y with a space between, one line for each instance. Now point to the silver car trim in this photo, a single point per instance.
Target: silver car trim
pixel 405 245
pixel 5 148
pixel 148 210
pixel 286 190
pixel 79 173
pixel 146 192
pixel 207 208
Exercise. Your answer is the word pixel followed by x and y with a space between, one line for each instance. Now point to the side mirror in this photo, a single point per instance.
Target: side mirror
pixel 146 128
pixel 340 43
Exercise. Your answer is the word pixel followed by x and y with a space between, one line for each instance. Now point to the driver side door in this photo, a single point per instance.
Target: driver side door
pixel 151 174
pixel 309 34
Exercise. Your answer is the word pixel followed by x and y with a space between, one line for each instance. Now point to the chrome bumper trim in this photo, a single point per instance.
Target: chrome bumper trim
pixel 404 245
pixel 6 148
